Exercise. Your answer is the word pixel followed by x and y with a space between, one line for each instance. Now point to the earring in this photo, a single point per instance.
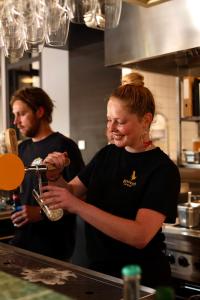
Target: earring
pixel 146 142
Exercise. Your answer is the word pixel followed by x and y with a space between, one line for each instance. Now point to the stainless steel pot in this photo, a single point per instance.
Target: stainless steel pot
pixel 189 214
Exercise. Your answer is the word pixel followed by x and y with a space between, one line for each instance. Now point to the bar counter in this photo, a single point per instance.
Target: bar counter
pixel 27 275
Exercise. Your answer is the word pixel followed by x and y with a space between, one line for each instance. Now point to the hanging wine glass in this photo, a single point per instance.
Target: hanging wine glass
pixel 79 8
pixel 35 20
pixel 112 13
pixel 107 14
pixel 57 23
pixel 97 19
pixel 12 31
pixel 1 36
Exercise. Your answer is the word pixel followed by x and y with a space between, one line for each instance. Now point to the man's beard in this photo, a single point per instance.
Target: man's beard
pixel 33 131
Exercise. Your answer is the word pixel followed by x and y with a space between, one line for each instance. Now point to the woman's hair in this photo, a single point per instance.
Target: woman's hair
pixel 35 98
pixel 135 95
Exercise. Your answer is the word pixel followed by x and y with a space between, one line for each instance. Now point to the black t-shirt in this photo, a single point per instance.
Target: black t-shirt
pixel 54 239
pixel 120 182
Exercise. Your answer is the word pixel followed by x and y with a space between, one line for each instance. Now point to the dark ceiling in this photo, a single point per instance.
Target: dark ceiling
pixel 80 35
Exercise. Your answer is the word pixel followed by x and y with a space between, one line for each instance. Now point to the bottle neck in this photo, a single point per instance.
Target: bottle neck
pixel 131 290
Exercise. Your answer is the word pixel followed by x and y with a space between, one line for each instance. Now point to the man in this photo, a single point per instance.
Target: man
pixel 32 109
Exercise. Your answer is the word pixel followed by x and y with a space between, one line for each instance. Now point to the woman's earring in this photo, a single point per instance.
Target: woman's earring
pixel 146 143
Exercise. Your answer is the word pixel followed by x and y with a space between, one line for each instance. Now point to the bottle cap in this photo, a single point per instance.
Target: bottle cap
pixel 131 270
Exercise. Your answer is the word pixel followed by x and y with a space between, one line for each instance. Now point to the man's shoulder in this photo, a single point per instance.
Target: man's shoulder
pixel 67 140
pixel 24 143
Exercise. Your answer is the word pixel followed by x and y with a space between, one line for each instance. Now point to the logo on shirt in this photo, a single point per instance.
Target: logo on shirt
pixel 132 181
pixel 37 161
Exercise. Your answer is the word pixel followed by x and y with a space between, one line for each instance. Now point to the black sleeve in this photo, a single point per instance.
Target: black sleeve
pixel 76 161
pixel 85 174
pixel 164 197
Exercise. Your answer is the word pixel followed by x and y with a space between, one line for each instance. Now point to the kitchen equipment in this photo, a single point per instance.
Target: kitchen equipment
pixel 192 157
pixel 182 251
pixel 189 213
pixel 150 27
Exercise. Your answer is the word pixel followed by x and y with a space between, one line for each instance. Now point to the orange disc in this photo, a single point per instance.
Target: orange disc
pixel 11 171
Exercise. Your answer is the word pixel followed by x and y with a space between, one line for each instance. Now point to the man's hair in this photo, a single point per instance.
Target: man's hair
pixel 35 98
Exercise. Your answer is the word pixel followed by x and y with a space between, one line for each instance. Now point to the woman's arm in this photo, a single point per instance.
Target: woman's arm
pixel 137 233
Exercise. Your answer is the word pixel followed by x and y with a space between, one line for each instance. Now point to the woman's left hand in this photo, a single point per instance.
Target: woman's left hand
pixel 57 197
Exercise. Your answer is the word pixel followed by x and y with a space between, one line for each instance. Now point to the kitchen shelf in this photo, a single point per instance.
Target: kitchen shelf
pixel 191 119
pixel 190 166
pixel 184 116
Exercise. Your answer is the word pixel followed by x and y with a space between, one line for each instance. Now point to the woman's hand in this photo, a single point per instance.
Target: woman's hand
pixel 56 162
pixel 57 197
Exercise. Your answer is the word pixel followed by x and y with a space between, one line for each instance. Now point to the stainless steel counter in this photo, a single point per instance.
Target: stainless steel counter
pixel 68 280
pixel 181 231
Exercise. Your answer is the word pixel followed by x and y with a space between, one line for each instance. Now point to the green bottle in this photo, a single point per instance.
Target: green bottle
pixel 131 276
pixel 164 293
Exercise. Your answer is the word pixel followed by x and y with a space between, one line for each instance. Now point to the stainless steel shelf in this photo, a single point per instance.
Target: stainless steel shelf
pixel 191 119
pixel 190 166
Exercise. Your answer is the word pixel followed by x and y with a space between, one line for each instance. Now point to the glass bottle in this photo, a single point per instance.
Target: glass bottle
pixel 131 276
pixel 164 293
pixel 17 206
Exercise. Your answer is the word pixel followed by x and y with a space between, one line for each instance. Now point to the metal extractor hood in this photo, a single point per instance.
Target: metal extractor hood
pixel 164 38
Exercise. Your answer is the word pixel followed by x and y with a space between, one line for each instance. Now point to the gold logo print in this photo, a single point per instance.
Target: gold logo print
pixel 130 182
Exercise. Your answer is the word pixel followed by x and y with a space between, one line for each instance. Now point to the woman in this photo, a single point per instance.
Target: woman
pixel 130 188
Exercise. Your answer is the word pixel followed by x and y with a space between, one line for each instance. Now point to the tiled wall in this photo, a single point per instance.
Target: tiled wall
pixel 165 92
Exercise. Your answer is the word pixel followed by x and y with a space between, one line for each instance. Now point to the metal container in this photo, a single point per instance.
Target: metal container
pixel 189 214
pixel 192 157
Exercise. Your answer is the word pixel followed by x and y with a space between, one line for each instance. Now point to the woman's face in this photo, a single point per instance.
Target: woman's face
pixel 124 128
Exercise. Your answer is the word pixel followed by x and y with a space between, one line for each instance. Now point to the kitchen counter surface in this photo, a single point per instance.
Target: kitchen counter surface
pixel 54 279
pixel 181 231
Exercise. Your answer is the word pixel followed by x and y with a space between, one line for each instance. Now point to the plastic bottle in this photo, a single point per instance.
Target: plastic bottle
pixel 131 276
